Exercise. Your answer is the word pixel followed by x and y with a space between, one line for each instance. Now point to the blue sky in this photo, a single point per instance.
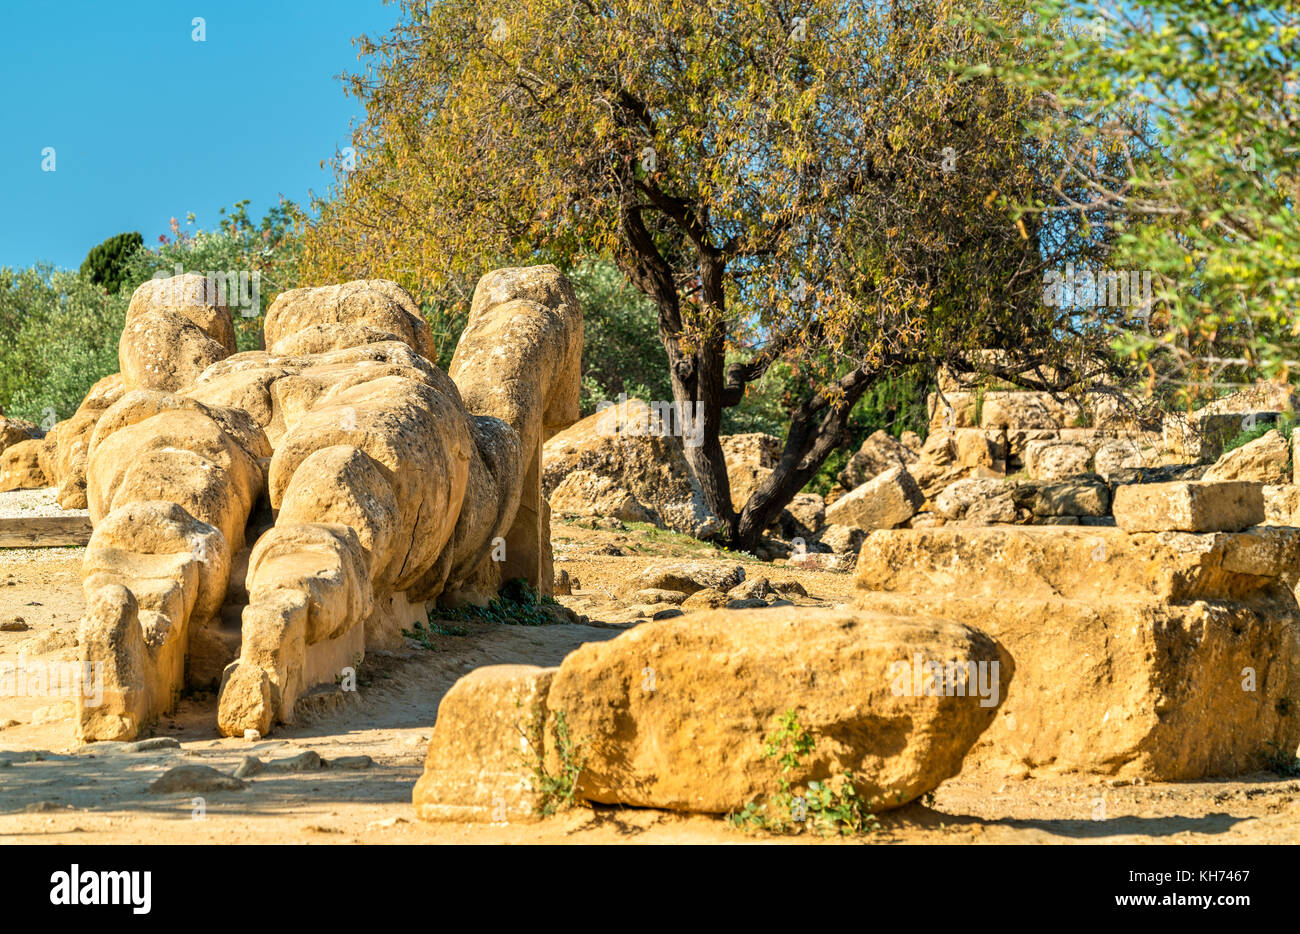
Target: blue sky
pixel 147 124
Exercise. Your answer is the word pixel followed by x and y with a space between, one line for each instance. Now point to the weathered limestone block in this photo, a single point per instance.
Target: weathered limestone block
pixel 693 740
pixel 584 493
pixel 1124 453
pixel 1263 460
pixel 480 762
pixel 807 516
pixel 882 503
pixel 755 448
pixel 1027 410
pixel 633 447
pixel 952 410
pixel 1189 506
pixel 1072 498
pixel 977 500
pixel 20 467
pixel 1162 655
pixel 879 452
pixel 842 539
pixel 980 448
pixel 688 577
pixel 16 430
pixel 1056 460
pixel 1281 504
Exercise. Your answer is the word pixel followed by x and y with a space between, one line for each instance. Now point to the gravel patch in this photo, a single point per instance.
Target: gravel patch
pixel 17 504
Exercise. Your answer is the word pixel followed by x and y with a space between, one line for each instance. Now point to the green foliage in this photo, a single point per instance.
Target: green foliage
pixel 105 264
pixel 555 790
pixel 60 335
pixel 828 810
pixel 774 180
pixel 517 604
pixel 621 351
pixel 1186 115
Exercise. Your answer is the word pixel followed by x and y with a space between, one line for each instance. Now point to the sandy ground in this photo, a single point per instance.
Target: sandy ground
pixel 52 792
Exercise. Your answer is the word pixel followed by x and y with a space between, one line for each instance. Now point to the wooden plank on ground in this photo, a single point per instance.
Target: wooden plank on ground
pixel 44 531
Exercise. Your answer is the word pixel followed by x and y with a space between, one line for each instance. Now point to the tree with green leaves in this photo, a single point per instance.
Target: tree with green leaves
pixel 813 185
pixel 106 262
pixel 1185 118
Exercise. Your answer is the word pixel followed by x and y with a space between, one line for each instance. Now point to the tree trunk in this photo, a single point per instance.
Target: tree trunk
pixel 809 441
pixel 704 390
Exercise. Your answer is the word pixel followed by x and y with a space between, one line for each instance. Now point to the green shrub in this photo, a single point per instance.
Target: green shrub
pixel 621 351
pixel 106 263
pixel 60 335
pixel 236 244
pixel 517 604
pixel 555 790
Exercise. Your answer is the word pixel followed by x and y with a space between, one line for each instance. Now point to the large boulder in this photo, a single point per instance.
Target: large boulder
pixel 585 493
pixel 480 765
pixel 1159 655
pixel 1189 506
pixel 16 430
pixel 20 467
pixel 884 502
pixel 632 446
pixel 1263 460
pixel 673 714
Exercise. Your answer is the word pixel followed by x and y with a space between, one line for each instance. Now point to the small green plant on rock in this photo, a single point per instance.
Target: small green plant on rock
pixel 826 809
pixel 555 790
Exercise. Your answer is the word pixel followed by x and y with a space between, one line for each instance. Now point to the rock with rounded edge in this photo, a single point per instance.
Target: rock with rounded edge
pixel 1263 460
pixel 194 778
pixel 688 577
pixel 722 681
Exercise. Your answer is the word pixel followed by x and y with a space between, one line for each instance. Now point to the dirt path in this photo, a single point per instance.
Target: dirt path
pixel 51 792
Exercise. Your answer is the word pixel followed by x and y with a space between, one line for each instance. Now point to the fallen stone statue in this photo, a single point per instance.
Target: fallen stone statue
pixel 262 519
